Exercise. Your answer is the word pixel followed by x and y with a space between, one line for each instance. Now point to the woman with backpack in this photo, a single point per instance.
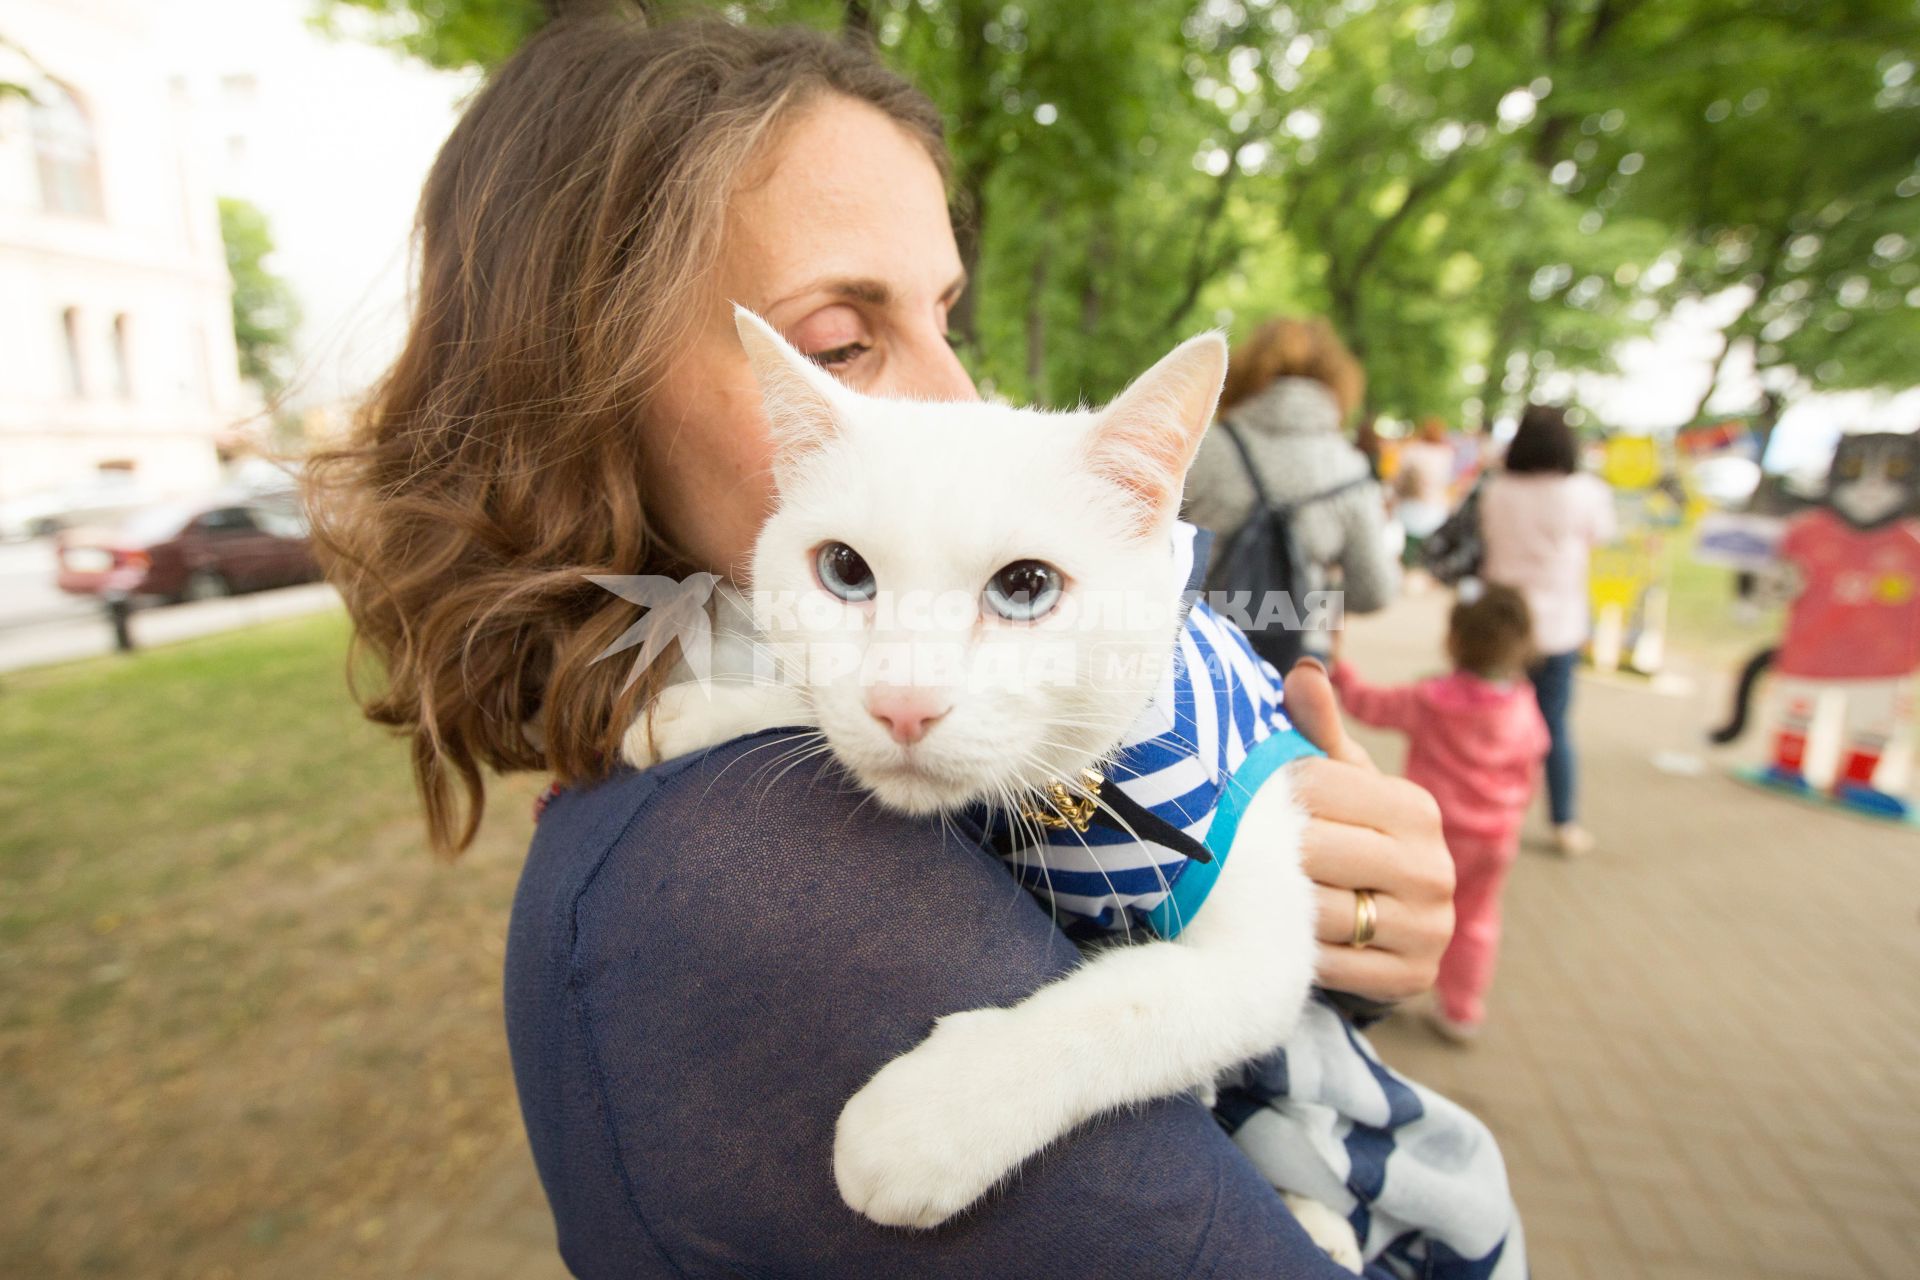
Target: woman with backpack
pixel 1290 496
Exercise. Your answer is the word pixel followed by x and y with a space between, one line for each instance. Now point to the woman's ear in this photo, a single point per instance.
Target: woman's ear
pixel 798 395
pixel 1145 440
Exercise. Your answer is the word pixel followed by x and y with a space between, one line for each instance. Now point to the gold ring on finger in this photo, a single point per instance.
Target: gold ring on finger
pixel 1366 917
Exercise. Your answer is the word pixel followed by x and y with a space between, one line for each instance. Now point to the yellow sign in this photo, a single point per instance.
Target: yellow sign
pixel 1631 462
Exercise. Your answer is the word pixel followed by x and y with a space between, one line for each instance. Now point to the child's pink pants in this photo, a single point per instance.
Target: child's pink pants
pixel 1480 866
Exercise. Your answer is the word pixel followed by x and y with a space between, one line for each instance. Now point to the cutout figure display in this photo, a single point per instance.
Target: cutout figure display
pixel 1852 566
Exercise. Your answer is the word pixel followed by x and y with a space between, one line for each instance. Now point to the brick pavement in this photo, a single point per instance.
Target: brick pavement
pixel 1703 1056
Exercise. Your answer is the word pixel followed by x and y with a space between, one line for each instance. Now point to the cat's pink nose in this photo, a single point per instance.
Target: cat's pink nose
pixel 907 713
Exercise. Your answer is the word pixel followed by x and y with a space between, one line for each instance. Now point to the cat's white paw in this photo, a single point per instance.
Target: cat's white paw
pixel 652 737
pixel 681 719
pixel 1333 1233
pixel 935 1129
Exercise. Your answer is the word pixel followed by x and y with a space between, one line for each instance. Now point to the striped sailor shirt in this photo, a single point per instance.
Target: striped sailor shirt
pixel 1212 733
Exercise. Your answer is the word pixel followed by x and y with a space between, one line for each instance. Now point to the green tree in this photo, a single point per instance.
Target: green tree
pixel 1481 195
pixel 1780 143
pixel 457 35
pixel 265 311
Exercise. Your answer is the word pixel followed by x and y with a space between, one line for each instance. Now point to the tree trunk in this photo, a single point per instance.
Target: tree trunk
pixel 858 23
pixel 974 74
pixel 1771 404
pixel 1727 339
pixel 1201 265
pixel 1037 318
pixel 1099 252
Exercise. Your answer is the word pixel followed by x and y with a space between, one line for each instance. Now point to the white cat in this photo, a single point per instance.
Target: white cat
pixel 971 602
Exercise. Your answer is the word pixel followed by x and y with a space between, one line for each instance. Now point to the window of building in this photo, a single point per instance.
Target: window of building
pixel 70 336
pixel 63 150
pixel 122 365
pixel 203 382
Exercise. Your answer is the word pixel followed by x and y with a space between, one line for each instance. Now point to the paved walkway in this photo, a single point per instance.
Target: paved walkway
pixel 1704 1053
pixel 81 630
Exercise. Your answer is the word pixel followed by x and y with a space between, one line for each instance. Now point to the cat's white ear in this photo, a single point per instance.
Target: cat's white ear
pixel 1145 440
pixel 798 394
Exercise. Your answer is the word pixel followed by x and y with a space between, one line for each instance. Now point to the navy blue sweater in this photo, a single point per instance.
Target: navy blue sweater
pixel 708 959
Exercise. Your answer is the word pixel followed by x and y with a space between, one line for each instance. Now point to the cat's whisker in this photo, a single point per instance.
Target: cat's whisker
pixel 770 744
pixel 1030 834
pixel 1125 918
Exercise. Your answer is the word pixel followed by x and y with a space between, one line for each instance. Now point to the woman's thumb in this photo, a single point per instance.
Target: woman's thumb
pixel 1315 711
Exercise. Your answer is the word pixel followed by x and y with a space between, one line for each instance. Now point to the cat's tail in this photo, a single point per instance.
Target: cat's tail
pixel 1743 695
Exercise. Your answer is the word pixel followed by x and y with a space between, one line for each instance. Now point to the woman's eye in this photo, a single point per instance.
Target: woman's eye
pixel 844 572
pixel 839 357
pixel 1025 590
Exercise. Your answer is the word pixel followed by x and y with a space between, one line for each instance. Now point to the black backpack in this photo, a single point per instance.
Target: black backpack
pixel 1264 556
pixel 1454 550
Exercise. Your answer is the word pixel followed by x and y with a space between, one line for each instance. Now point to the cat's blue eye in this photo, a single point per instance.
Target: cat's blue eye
pixel 844 572
pixel 1025 590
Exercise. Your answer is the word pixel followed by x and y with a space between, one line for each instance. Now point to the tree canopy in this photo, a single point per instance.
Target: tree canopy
pixel 1480 195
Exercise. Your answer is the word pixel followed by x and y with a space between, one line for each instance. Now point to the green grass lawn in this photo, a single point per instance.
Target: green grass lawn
pixel 1701 620
pixel 247 1024
pixel 245 1018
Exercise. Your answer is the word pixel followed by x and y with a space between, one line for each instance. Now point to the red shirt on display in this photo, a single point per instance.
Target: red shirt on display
pixel 1858 615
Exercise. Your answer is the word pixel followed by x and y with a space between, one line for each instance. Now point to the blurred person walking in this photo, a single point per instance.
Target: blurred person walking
pixel 1423 485
pixel 1540 519
pixel 1475 739
pixel 1366 438
pixel 1290 387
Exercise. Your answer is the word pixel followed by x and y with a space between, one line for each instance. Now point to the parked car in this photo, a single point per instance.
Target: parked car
pixel 190 550
pixel 37 515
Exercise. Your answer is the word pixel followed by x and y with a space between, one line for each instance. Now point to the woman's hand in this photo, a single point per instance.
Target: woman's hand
pixel 1368 831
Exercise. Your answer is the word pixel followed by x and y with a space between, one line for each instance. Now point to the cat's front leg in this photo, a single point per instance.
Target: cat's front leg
pixel 1333 1233
pixel 938 1127
pixel 691 716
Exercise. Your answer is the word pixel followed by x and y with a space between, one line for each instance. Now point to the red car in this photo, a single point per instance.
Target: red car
pixel 190 551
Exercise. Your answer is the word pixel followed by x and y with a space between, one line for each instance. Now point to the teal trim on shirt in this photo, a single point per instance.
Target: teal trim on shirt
pixel 1274 752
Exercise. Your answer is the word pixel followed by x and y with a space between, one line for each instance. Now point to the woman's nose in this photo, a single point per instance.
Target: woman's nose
pixel 930 370
pixel 955 382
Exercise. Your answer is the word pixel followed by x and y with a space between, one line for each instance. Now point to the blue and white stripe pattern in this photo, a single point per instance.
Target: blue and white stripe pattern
pixel 1217 701
pixel 1418 1176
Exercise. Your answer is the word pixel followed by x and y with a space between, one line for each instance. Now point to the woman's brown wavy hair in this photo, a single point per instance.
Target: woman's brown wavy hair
pixel 567 223
pixel 1290 347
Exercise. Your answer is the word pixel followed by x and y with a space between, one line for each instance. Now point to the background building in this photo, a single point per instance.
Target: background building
pixel 116 336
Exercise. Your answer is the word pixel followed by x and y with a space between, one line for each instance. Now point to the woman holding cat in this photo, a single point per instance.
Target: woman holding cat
pixel 707 959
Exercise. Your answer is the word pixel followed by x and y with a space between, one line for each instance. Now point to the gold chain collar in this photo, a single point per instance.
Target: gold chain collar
pixel 1068 806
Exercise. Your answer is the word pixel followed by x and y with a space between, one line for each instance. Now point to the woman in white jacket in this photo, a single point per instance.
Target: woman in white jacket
pixel 1290 388
pixel 1540 520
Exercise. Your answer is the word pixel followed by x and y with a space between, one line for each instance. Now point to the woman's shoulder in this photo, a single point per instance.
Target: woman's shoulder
pixel 1307 466
pixel 1590 486
pixel 709 958
pixel 1545 489
pixel 765 814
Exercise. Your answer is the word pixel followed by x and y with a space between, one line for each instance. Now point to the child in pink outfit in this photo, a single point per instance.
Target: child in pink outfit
pixel 1475 739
